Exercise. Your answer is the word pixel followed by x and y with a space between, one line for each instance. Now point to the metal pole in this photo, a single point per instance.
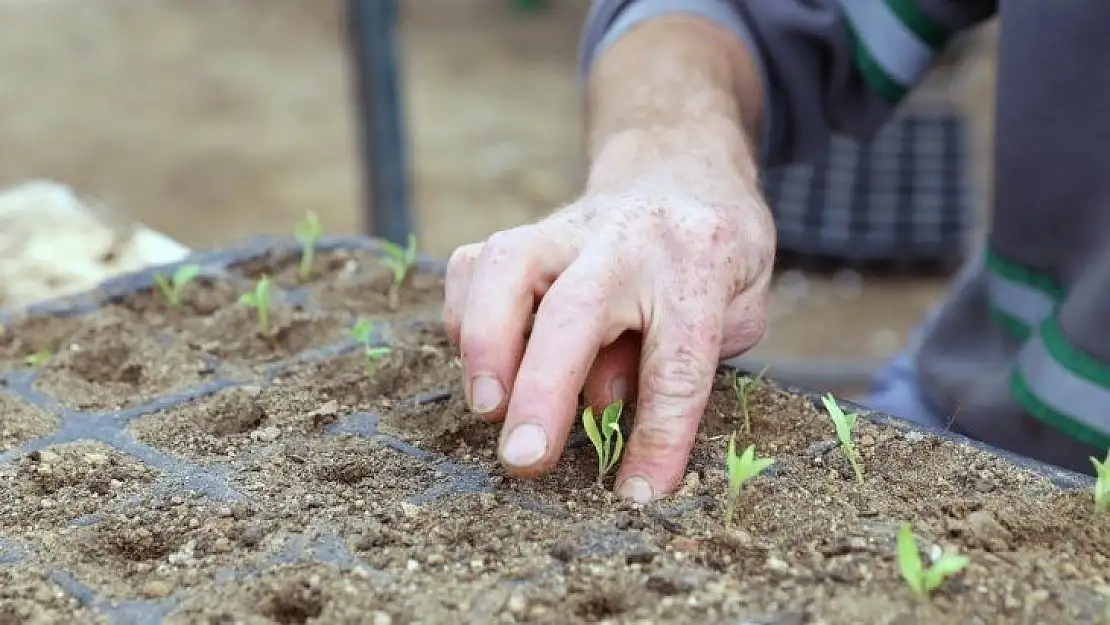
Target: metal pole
pixel 372 25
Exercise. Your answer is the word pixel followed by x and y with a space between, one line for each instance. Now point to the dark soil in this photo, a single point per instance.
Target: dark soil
pixel 20 422
pixel 200 298
pixel 421 360
pixel 115 361
pixel 31 336
pixel 356 498
pixel 50 488
pixel 30 596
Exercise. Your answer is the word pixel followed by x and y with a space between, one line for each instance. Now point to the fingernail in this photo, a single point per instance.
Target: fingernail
pixel 637 489
pixel 618 389
pixel 526 445
pixel 485 394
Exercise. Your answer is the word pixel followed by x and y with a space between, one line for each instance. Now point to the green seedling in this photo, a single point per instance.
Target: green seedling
pixel 399 261
pixel 1102 484
pixel 607 437
pixel 923 581
pixel 307 232
pixel 363 332
pixel 845 424
pixel 172 288
pixel 259 299
pixel 37 359
pixel 743 385
pixel 740 469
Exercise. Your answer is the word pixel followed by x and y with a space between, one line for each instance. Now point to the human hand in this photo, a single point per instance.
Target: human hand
pixel 638 291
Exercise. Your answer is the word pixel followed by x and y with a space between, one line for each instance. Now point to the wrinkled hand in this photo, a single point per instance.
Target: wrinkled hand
pixel 637 294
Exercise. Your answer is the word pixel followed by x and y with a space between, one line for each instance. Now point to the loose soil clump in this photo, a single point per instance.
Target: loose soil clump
pixel 252 480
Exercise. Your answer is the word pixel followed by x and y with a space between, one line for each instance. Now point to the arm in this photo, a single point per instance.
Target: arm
pixel 675 87
pixel 799 70
pixel 661 268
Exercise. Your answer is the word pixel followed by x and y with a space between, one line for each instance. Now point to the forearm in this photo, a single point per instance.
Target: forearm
pixel 676 89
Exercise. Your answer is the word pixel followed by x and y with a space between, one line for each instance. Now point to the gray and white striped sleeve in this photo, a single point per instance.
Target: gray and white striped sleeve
pixel 827 65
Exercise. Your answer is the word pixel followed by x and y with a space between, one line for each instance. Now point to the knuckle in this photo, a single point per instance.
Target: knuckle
pixel 505 243
pixel 657 440
pixel 462 258
pixel 583 293
pixel 681 376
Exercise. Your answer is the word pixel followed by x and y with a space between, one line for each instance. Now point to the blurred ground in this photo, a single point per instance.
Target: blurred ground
pixel 215 119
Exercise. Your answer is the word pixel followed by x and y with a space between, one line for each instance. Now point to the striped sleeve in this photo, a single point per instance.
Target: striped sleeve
pixel 828 66
pixel 1061 375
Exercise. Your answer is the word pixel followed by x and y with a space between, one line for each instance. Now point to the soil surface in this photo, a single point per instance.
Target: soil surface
pixel 287 486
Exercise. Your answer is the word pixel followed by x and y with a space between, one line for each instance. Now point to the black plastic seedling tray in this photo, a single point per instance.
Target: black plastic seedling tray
pixel 216 483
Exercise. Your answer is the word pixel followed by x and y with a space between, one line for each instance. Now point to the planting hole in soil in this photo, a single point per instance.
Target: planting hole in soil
pixel 20 422
pixel 116 361
pixel 201 473
pixel 421 360
pixel 25 340
pixel 201 297
pixel 355 281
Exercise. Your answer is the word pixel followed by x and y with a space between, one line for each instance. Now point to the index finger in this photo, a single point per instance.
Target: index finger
pixel 680 353
pixel 512 267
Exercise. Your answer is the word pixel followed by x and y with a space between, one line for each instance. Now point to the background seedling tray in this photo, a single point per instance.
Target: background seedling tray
pixel 194 480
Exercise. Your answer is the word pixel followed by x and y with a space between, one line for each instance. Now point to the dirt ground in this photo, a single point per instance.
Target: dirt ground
pixel 214 119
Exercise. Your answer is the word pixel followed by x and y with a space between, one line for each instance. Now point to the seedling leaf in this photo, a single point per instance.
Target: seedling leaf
pixel 259 299
pixel 844 424
pixel 399 261
pixel 606 437
pixel 307 233
pixel 923 581
pixel 363 332
pixel 37 359
pixel 1102 484
pixel 172 288
pixel 740 469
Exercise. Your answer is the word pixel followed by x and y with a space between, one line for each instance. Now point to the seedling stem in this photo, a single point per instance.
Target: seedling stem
pixel 740 469
pixel 399 261
pixel 923 581
pixel 171 288
pixel 307 232
pixel 1102 485
pixel 844 423
pixel 744 385
pixel 259 299
pixel 607 437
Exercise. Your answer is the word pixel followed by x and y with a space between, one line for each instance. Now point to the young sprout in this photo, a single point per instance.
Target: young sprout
pixel 363 332
pixel 1102 484
pixel 740 469
pixel 743 385
pixel 923 581
pixel 259 299
pixel 399 261
pixel 171 288
pixel 845 424
pixel 307 233
pixel 37 359
pixel 607 437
